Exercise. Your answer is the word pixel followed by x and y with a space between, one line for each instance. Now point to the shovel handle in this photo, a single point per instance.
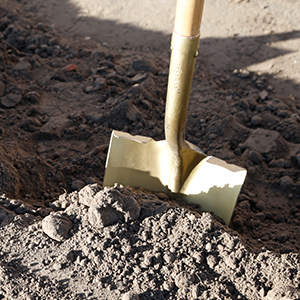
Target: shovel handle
pixel 188 17
pixel 185 42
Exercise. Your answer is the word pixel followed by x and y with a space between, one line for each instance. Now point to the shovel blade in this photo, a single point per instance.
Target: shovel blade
pixel 215 186
pixel 137 161
pixel 140 161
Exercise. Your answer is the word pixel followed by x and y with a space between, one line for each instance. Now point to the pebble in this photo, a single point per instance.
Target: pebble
pixel 33 97
pixel 286 181
pixel 22 67
pixel 130 296
pixel 86 194
pixel 255 157
pixel 260 205
pixel 132 113
pixel 99 84
pixel 279 163
pixel 10 100
pixel 256 120
pixel 263 95
pixel 57 226
pixel 211 261
pixel 169 257
pixel 139 77
pixel 77 185
pixel 168 285
pixel 110 205
pixel 244 104
pixel 184 279
pixel 144 64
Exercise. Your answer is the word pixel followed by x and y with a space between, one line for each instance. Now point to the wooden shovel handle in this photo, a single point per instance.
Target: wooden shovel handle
pixel 185 42
pixel 188 17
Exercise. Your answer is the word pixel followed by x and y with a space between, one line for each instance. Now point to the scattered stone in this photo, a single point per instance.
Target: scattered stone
pixel 22 67
pixel 211 261
pixel 263 95
pixel 242 73
pixel 132 112
pixel 33 97
pixel 100 83
pixel 10 100
pixel 184 279
pixel 277 163
pixel 283 293
pixel 77 185
pixel 111 205
pixel 130 296
pixel 139 77
pixel 144 64
pixel 255 157
pixel 244 104
pixel 267 142
pixel 256 120
pixel 286 182
pixel 87 194
pixel 57 226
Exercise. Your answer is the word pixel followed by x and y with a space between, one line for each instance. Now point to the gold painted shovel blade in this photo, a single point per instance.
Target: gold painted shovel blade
pixel 140 161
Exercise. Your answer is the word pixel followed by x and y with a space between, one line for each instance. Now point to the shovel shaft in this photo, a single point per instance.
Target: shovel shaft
pixel 185 42
pixel 188 17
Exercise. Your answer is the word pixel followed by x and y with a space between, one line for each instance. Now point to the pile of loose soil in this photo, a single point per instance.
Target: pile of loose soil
pixel 64 236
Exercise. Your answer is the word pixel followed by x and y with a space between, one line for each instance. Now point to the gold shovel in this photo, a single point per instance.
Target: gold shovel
pixel 175 166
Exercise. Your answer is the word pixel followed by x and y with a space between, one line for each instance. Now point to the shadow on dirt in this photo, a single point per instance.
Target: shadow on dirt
pixel 219 55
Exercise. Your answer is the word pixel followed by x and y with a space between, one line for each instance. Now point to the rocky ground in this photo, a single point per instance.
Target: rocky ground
pixel 64 236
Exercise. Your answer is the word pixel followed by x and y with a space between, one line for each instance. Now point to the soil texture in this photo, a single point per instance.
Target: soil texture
pixel 62 92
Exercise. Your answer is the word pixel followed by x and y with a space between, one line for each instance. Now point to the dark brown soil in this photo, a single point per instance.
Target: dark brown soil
pixel 60 99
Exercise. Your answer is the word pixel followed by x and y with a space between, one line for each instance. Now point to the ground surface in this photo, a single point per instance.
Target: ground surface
pixel 70 74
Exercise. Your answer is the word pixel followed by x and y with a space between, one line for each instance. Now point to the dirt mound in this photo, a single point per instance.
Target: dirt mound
pixel 161 251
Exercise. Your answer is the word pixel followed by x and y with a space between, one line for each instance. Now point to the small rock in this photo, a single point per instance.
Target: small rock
pixel 261 216
pixel 120 70
pixel 130 296
pixel 263 95
pixel 184 279
pixel 260 205
pixel 22 67
pixel 244 104
pixel 10 100
pixel 277 163
pixel 283 293
pixel 256 120
pixel 132 112
pixel 88 89
pixel 111 205
pixel 77 185
pixel 57 226
pixel 99 83
pixel 168 285
pixel 169 257
pixel 139 77
pixel 211 261
pixel 87 193
pixel 281 237
pixel 242 73
pixel 286 181
pixel 255 157
pixel 284 113
pixel 33 97
pixel 144 64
